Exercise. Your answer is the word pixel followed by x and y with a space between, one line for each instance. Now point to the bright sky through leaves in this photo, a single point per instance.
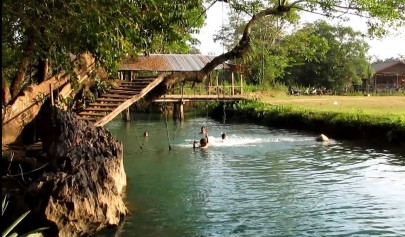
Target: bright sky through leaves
pixel 390 46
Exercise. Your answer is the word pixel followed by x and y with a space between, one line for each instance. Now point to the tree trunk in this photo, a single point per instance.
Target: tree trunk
pixel 19 77
pixel 237 52
pixel 43 66
pixel 5 96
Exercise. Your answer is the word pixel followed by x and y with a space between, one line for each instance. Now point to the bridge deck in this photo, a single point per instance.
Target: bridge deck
pixel 117 99
pixel 177 98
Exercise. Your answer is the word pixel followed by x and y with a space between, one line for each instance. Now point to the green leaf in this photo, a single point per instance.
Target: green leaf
pixel 4 205
pixel 14 224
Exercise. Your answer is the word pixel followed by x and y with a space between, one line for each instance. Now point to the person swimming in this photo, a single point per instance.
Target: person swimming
pixel 203 142
pixel 146 134
pixel 203 130
pixel 223 136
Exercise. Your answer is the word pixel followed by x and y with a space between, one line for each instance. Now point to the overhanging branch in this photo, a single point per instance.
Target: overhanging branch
pixel 237 52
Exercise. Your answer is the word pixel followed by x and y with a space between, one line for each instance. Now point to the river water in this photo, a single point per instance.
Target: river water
pixel 259 182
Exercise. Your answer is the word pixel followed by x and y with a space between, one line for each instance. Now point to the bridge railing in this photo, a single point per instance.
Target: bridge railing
pixel 207 89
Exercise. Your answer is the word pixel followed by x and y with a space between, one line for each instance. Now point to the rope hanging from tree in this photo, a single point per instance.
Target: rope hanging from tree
pixel 195 118
pixel 179 111
pixel 177 127
pixel 167 126
pixel 223 78
pixel 137 138
pixel 146 133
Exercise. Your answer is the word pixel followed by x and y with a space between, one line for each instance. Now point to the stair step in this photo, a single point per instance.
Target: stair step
pixel 124 92
pixel 110 100
pixel 145 77
pixel 98 109
pixel 142 81
pixel 93 114
pixel 135 82
pixel 104 104
pixel 137 85
pixel 89 119
pixel 116 96
pixel 127 89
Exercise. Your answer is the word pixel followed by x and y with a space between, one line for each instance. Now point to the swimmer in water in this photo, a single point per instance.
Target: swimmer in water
pixel 223 136
pixel 203 142
pixel 203 130
pixel 146 134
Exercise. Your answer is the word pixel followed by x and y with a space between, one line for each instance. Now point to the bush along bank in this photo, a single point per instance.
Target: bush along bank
pixel 350 126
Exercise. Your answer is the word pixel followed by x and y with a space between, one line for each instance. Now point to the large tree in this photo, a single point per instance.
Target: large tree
pixel 380 16
pixel 37 35
pixel 41 35
pixel 325 55
pixel 264 58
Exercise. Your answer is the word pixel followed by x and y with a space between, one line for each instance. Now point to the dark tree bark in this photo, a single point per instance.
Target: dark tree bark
pixel 19 77
pixel 5 92
pixel 43 66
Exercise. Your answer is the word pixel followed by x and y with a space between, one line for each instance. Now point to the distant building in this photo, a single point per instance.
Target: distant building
pixel 388 76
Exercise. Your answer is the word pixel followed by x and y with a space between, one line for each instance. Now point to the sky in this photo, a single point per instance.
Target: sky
pixel 389 46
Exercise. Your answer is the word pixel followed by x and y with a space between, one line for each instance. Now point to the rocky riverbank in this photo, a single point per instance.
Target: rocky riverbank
pixel 335 125
pixel 80 190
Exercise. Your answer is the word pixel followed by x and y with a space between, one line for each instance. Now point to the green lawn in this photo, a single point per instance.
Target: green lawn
pixel 374 105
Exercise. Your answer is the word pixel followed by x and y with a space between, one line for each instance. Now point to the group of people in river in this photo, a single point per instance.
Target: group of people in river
pixel 204 141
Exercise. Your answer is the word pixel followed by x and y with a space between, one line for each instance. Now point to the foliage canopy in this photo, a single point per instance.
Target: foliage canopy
pixel 37 33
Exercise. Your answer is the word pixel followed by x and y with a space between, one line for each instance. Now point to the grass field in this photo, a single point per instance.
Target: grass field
pixel 376 105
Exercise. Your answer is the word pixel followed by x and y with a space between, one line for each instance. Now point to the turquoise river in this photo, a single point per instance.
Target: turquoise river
pixel 259 182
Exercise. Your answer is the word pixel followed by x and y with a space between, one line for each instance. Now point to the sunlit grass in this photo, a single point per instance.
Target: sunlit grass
pixel 377 105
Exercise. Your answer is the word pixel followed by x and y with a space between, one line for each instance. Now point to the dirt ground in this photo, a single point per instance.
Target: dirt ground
pixel 394 105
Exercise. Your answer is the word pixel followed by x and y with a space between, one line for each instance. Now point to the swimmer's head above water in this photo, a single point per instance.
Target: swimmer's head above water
pixel 203 142
pixel 203 130
pixel 223 136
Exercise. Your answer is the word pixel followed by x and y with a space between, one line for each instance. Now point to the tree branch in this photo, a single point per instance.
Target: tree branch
pixel 237 52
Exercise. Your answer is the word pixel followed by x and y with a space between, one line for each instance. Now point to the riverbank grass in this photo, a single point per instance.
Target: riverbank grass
pixel 351 121
pixel 380 106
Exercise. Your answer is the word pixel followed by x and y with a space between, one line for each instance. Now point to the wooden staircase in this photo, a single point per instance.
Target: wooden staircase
pixel 117 99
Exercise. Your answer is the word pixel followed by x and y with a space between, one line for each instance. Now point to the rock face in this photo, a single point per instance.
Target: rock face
pixel 82 192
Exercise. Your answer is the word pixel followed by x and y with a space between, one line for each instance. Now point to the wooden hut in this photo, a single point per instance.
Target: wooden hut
pixel 388 76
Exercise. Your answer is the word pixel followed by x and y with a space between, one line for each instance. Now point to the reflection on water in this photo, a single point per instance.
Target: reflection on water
pixel 257 182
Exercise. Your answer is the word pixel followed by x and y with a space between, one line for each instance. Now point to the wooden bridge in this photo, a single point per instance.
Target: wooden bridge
pixel 118 99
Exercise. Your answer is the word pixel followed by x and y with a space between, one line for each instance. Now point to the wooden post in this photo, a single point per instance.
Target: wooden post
pixel 217 86
pixel 182 90
pixel 181 111
pixel 130 75
pixel 233 84
pixel 397 81
pixel 241 84
pixel 375 83
pixel 209 84
pixel 175 111
pixel 51 94
pixel 127 115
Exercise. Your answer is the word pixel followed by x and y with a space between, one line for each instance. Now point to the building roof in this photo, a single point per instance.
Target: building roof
pixel 168 62
pixel 378 67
